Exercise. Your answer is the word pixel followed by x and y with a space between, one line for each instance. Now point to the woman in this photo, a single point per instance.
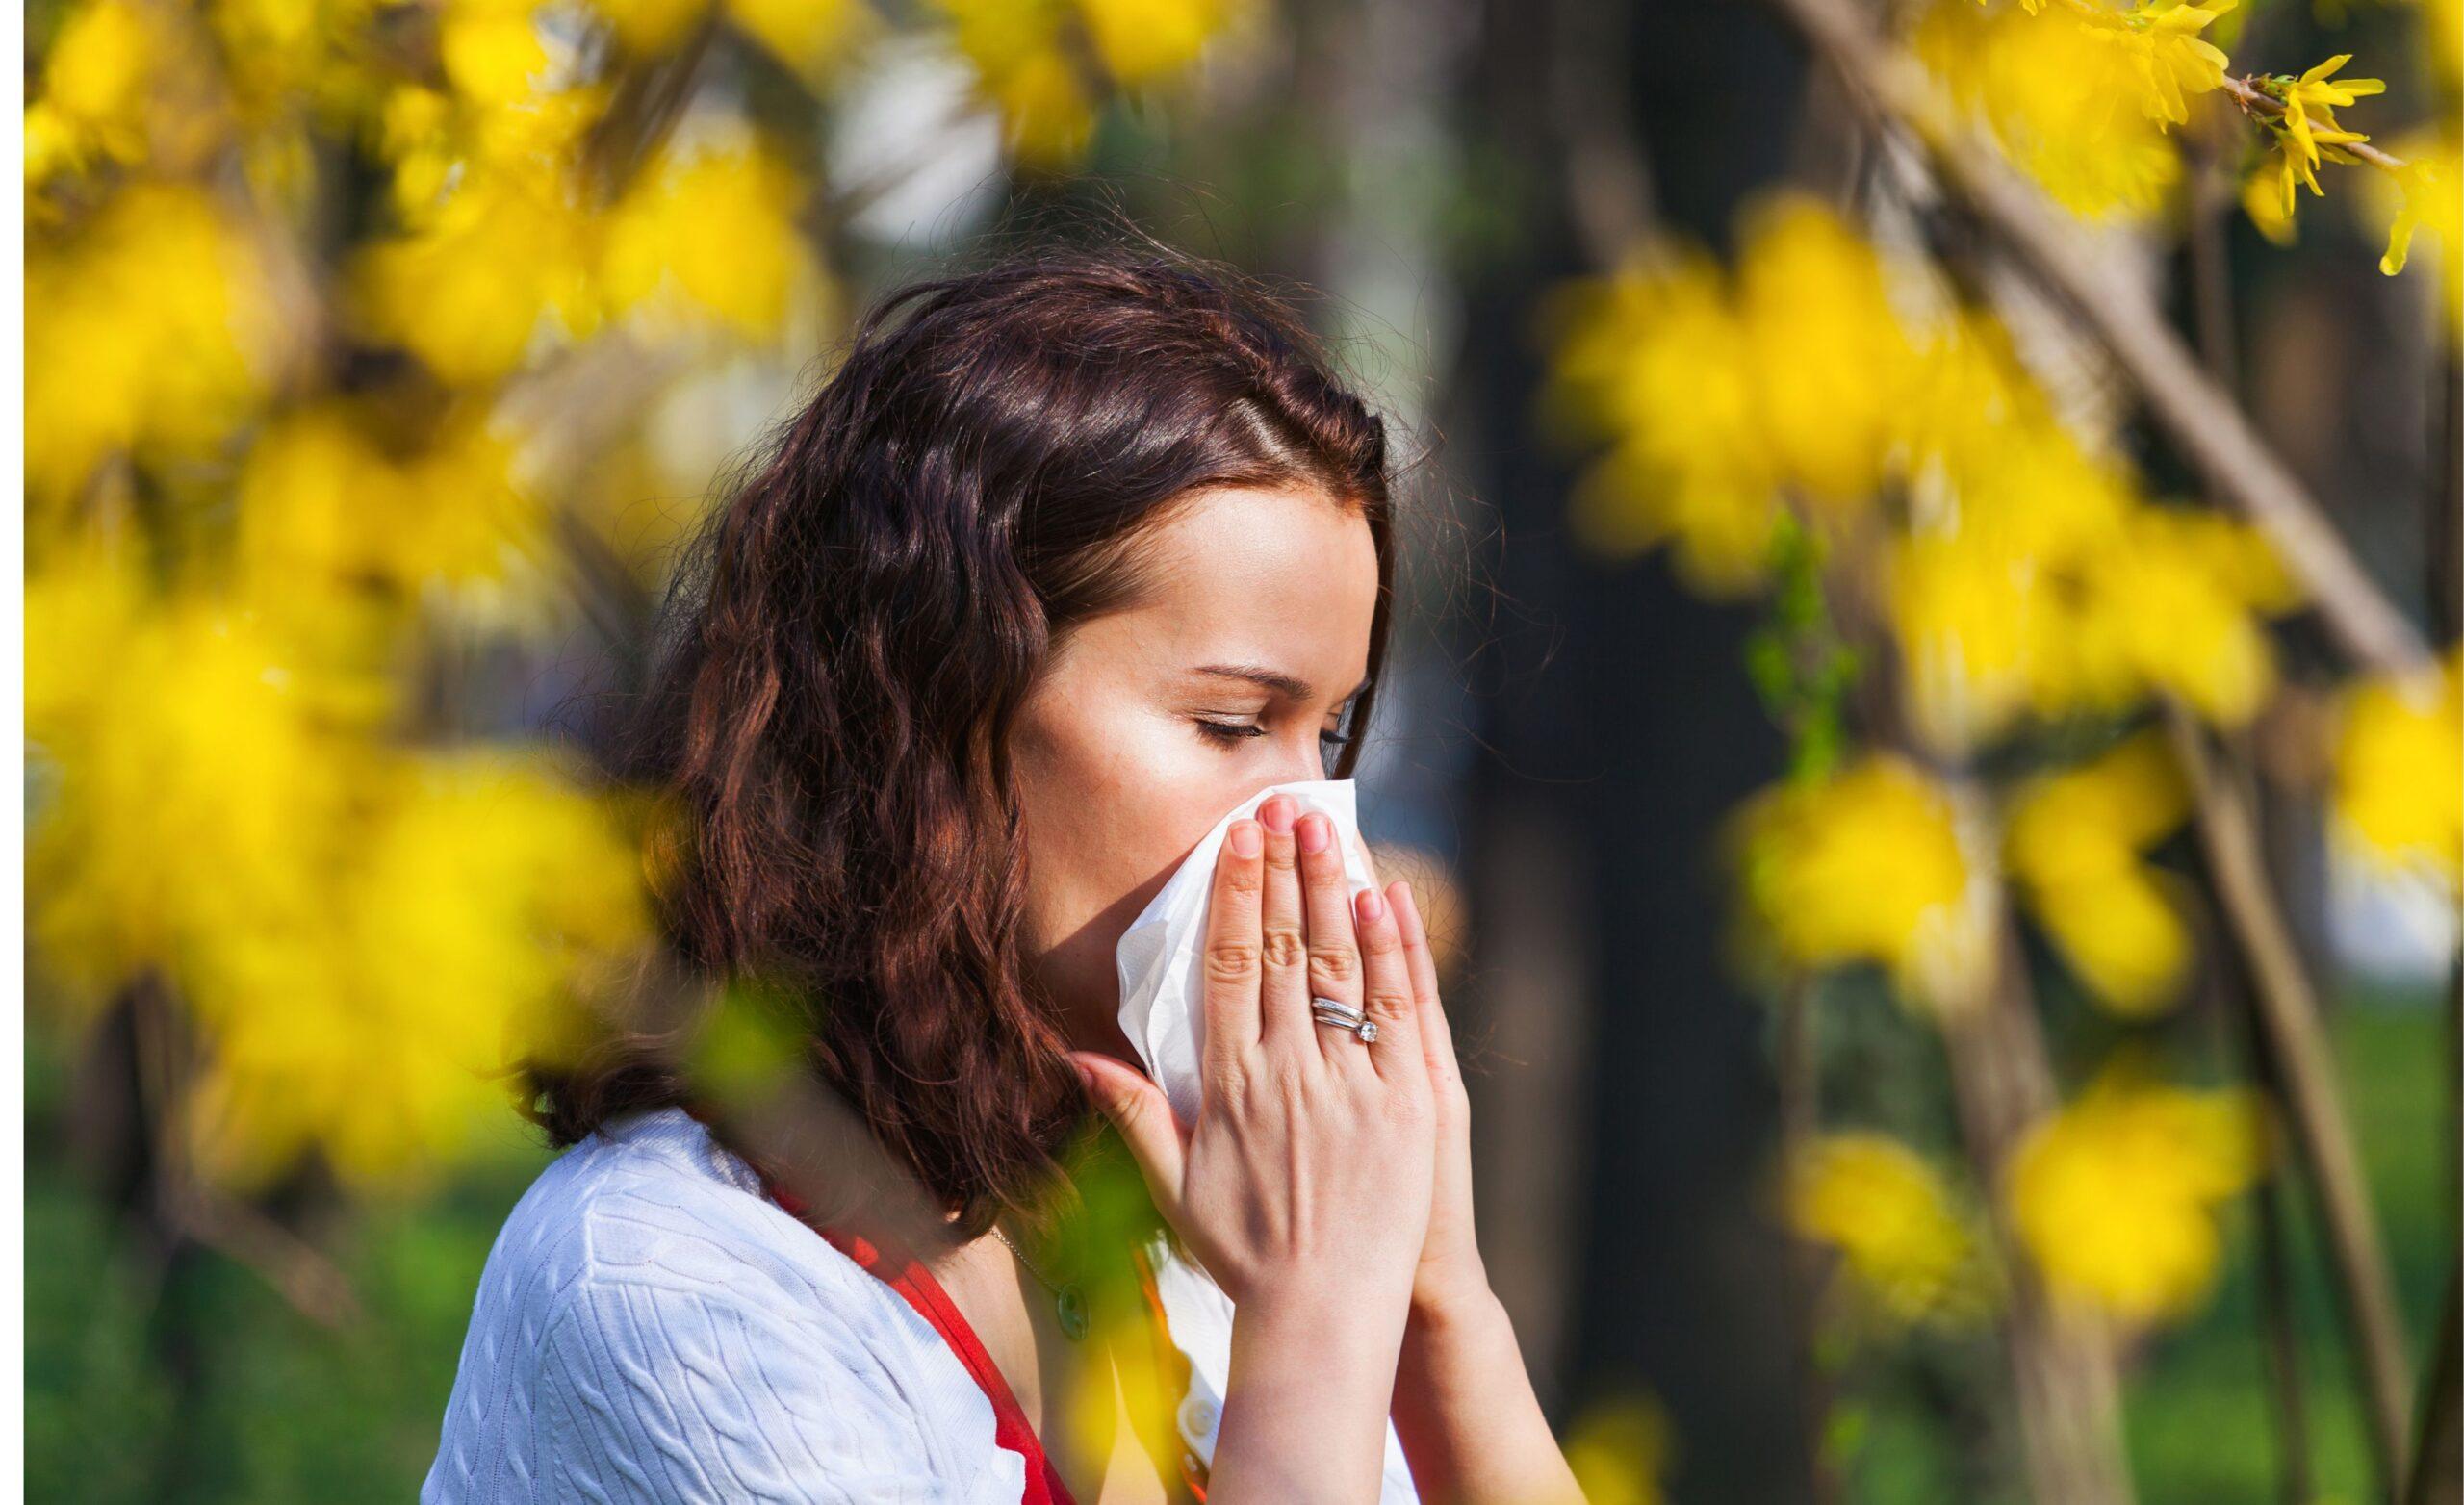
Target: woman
pixel 1072 555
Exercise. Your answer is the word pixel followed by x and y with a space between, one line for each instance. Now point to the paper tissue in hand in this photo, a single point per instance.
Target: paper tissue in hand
pixel 1161 956
pixel 1163 1011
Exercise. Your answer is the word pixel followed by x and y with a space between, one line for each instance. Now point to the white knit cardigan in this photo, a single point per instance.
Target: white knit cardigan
pixel 649 1327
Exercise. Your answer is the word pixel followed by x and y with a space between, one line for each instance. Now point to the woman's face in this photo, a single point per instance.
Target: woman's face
pixel 1153 721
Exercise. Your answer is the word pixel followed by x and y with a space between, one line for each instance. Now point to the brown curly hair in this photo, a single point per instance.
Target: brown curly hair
pixel 844 648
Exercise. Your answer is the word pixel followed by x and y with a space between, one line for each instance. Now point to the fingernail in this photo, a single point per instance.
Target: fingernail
pixel 1247 841
pixel 1277 814
pixel 1369 905
pixel 1314 830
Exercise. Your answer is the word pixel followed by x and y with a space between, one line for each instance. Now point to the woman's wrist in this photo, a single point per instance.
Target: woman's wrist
pixel 1441 1294
pixel 1306 1401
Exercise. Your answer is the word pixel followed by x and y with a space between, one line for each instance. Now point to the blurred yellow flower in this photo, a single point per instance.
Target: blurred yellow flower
pixel 2080 106
pixel 2031 578
pixel 1654 356
pixel 203 779
pixel 802 33
pixel 2425 197
pixel 1910 1256
pixel 1026 54
pixel 153 327
pixel 2181 594
pixel 2116 1197
pixel 1142 41
pixel 94 78
pixel 1619 1448
pixel 467 290
pixel 2072 845
pixel 327 495
pixel 491 49
pixel 1829 360
pixel 1869 864
pixel 2399 780
pixel 709 236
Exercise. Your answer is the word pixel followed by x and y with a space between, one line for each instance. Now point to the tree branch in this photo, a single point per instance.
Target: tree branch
pixel 2297 1050
pixel 2210 429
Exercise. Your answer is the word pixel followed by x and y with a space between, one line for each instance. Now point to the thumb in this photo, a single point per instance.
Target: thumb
pixel 1137 1106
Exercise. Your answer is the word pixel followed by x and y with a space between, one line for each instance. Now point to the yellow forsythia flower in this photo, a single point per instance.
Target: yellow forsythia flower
pixel 476 904
pixel 327 494
pixel 710 236
pixel 2072 843
pixel 1025 56
pixel 1717 400
pixel 1876 1201
pixel 2079 106
pixel 466 289
pixel 2398 789
pixel 2115 1195
pixel 1655 357
pixel 1142 41
pixel 1867 865
pixel 2311 102
pixel 153 326
pixel 2425 197
pixel 1830 359
pixel 1619 1448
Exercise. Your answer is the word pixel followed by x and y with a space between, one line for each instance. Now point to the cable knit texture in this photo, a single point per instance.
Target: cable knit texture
pixel 650 1328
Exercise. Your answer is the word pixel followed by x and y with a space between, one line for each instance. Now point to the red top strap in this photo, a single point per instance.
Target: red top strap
pixel 908 1275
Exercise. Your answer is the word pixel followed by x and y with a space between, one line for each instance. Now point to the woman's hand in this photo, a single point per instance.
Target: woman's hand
pixel 1312 1161
pixel 1450 1274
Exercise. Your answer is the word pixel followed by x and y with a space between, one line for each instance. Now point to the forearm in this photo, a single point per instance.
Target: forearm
pixel 1466 1414
pixel 1304 1412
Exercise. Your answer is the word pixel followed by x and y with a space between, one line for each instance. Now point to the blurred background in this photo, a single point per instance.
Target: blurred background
pixel 1926 676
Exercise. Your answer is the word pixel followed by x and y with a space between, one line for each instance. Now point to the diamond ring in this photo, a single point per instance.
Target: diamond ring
pixel 1336 1013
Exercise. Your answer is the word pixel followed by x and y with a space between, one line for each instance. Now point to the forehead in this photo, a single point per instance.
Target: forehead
pixel 1285 576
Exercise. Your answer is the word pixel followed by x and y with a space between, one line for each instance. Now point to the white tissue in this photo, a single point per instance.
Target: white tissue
pixel 1162 954
pixel 1163 1011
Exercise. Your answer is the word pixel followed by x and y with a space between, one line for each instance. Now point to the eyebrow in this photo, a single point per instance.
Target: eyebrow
pixel 1290 687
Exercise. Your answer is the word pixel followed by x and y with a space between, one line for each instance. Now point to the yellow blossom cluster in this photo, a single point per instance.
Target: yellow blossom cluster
pixel 364 933
pixel 1717 399
pixel 2398 779
pixel 260 542
pixel 1909 1255
pixel 506 239
pixel 2078 94
pixel 1045 64
pixel 1869 864
pixel 2073 842
pixel 2116 1196
pixel 2025 575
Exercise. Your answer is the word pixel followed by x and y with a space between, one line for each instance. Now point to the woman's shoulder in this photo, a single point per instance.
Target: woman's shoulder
pixel 643 1290
pixel 654 1209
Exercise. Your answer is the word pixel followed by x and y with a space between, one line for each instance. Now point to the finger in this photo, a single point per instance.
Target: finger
pixel 1386 981
pixel 1283 994
pixel 1437 1037
pixel 1137 1106
pixel 1231 959
pixel 1325 902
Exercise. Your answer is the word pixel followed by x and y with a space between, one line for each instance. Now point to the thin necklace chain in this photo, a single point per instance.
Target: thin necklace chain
pixel 1023 1260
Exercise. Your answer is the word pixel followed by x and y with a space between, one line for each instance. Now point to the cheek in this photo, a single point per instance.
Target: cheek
pixel 1114 802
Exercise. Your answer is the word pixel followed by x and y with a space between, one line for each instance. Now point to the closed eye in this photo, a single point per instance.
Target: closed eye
pixel 1231 734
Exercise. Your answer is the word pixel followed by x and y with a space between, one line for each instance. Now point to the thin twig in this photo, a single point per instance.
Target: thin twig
pixel 2208 426
pixel 2297 1050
